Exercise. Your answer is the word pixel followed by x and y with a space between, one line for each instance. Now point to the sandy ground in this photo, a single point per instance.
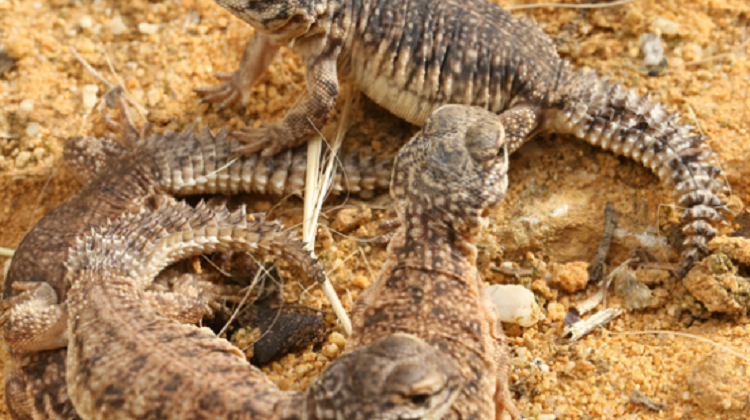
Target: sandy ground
pixel 551 220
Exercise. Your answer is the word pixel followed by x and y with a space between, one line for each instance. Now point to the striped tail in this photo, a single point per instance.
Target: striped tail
pixel 606 115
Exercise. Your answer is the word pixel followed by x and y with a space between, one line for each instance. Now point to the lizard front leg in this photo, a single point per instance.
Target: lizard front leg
pixel 504 405
pixel 310 113
pixel 519 122
pixel 259 53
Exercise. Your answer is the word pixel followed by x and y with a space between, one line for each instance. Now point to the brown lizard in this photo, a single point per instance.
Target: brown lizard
pixel 120 177
pixel 411 57
pixel 445 181
pixel 126 360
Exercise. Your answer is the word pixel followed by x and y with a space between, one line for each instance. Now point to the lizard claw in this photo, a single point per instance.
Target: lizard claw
pixel 269 139
pixel 224 95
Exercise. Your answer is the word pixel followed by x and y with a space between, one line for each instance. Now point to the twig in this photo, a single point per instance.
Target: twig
pixel 315 188
pixel 106 82
pixel 571 6
pixel 585 326
pixel 638 398
pixel 91 70
pixel 141 110
pixel 6 252
pixel 596 268
pixel 261 272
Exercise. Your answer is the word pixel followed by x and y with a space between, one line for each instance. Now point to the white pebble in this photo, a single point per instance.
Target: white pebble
pixel 117 26
pixel 22 159
pixel 86 22
pixel 32 130
pixel 546 417
pixel 89 96
pixel 154 96
pixel 515 304
pixel 653 50
pixel 147 28
pixel 666 27
pixel 26 106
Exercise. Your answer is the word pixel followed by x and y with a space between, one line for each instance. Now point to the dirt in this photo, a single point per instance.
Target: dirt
pixel 690 363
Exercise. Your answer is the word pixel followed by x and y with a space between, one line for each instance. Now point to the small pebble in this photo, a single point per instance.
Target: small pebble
pixel 23 158
pixel 86 22
pixel 148 28
pixel 26 106
pixel 337 339
pixel 653 50
pixel 117 26
pixel 154 97
pixel 556 311
pixel 666 27
pixel 32 130
pixel 331 350
pixel 88 92
pixel 515 304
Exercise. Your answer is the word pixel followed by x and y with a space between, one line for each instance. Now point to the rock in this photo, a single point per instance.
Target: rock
pixel 350 219
pixel 571 277
pixel 636 294
pixel 715 283
pixel 515 304
pixel 716 383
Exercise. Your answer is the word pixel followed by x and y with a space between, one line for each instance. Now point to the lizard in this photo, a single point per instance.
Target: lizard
pixel 118 176
pixel 126 360
pixel 411 57
pixel 445 182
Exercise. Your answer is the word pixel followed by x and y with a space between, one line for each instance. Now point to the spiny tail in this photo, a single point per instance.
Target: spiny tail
pixel 201 163
pixel 606 115
pixel 139 245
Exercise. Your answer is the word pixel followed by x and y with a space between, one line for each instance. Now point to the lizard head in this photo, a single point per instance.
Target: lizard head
pixel 283 20
pixel 453 170
pixel 398 377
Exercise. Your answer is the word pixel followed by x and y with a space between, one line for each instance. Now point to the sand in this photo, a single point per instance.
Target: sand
pixel 551 220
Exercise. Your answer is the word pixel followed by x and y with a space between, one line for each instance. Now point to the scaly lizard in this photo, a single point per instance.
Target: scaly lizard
pixel 121 176
pixel 411 57
pixel 126 360
pixel 445 181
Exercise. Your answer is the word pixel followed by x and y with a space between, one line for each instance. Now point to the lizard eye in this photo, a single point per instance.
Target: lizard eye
pixel 419 399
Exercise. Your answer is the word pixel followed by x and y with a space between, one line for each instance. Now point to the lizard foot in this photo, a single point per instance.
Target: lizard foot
pixel 269 138
pixel 224 95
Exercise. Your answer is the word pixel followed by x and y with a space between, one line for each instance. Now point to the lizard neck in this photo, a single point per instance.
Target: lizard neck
pixel 435 246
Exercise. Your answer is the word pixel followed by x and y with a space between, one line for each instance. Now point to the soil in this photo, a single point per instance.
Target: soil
pixel 689 363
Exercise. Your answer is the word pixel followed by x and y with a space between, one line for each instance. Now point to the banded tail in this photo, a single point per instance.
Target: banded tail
pixel 606 115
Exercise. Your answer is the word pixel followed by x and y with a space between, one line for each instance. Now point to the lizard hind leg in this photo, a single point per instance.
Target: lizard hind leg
pixel 34 320
pixel 193 296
